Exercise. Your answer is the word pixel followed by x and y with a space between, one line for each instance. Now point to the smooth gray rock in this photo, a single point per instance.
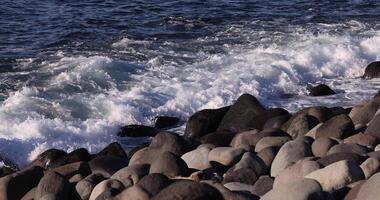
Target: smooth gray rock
pixel 104 186
pixel 55 186
pixel 340 127
pixel 132 174
pixel 370 166
pixel 198 158
pixel 321 146
pixel 170 165
pixel 85 186
pixel 271 142
pixel 370 189
pixel 226 156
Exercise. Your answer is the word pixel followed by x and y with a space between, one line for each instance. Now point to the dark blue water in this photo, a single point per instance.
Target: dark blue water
pixel 73 72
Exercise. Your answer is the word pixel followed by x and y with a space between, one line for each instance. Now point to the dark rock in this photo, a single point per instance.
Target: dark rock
pixel 374 127
pixel 154 183
pixel 16 185
pixel 267 155
pixel 4 170
pixel 296 171
pixel 170 165
pixel 263 185
pixel 374 154
pixel 204 122
pixel 136 148
pixel 252 161
pixel 75 156
pixel 132 174
pixel 276 122
pixel 107 165
pixel 72 169
pixel 85 186
pixel 188 190
pixel 301 124
pixel 321 90
pixel 137 131
pixel 231 195
pixel 321 113
pixel 370 167
pixel 30 195
pixel 340 110
pixel 218 139
pixel 321 146
pixel 250 138
pixel 266 142
pixel 53 186
pixel 339 127
pixel 327 160
pixel 163 122
pixel 348 148
pixel 372 70
pixel 362 115
pixel 245 114
pixel 113 149
pixel 275 112
pixel 243 175
pixel 47 157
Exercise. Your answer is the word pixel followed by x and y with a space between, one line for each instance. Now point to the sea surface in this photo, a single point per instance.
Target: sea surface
pixel 73 72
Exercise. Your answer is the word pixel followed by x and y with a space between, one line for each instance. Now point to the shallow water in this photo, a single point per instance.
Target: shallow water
pixel 71 73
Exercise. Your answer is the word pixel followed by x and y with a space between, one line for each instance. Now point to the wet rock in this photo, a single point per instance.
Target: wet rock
pixel 85 186
pixel 301 189
pixel 244 114
pixel 321 113
pixel 301 124
pixel 332 158
pixel 54 186
pixel 226 156
pixel 75 156
pixel 204 122
pixel 263 185
pixel 72 169
pixel 16 185
pixel 170 165
pixel 154 183
pixel 218 139
pixel 289 154
pixel 107 165
pixel 321 146
pixel 137 131
pixel 106 185
pixel 5 170
pixel 271 142
pixel 188 190
pixel 47 157
pixel 370 167
pixel 348 148
pixel 339 126
pixel 337 175
pixel 366 140
pixel 132 174
pixel 198 158
pixel 296 171
pixel 372 70
pixel 163 122
pixel 113 149
pixel 321 90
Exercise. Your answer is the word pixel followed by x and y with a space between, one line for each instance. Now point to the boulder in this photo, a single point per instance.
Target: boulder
pixel 106 185
pixel 251 161
pixel 188 190
pixel 54 186
pixel 245 114
pixel 348 148
pixel 296 171
pixel 47 157
pixel 137 131
pixel 321 146
pixel 372 70
pixel 370 189
pixel 107 165
pixel 137 148
pixel 289 154
pixel 353 193
pixel 16 185
pixel 313 131
pixel 72 169
pixel 113 149
pixel 339 126
pixel 251 138
pixel 85 186
pixel 267 155
pixel 162 122
pixel 374 127
pixel 170 165
pixel 363 114
pixel 266 142
pixel 243 175
pixel 332 158
pixel 321 90
pixel 366 140
pixel 301 189
pixel 198 158
pixel 231 195
pixel 30 195
pixel 321 113
pixel 370 166
pixel 154 183
pixel 133 193
pixel 276 122
pixel 240 187
pixel 77 155
pixel 301 124
pixel 218 139
pixel 263 185
pixel 226 156
pixel 337 175
pixel 132 174
pixel 204 122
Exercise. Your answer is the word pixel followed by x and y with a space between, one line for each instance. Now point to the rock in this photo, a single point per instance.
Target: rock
pixel 243 175
pixel 133 193
pixel 154 183
pixel 321 90
pixel 340 110
pixel 226 156
pixel 204 122
pixel 76 178
pixel 374 127
pixel 132 174
pixel 108 194
pixel 163 122
pixel 370 189
pixel 267 155
pixel 244 114
pixel 113 149
pixel 137 131
pixel 321 113
pixel 332 158
pixel 47 157
pixel 5 170
pixel 72 169
pixel 30 195
pixel 16 185
pixel 106 185
pixel 250 138
pixel 301 124
pixel 372 70
pixel 231 195
pixel 289 154
pixel 370 167
pixel 301 189
pixel 313 131
pixel 276 122
pixel 337 175
pixel 170 165
pixel 374 154
pixel 263 185
pixel 75 156
pixel 188 190
pixel 107 165
pixel 321 146
pixel 266 142
pixel 348 148
pixel 137 148
pixel 53 185
pixel 251 161
pixel 353 193
pixel 85 186
pixel 363 114
pixel 339 126
pixel 218 139
pixel 296 171
pixel 366 140
pixel 198 158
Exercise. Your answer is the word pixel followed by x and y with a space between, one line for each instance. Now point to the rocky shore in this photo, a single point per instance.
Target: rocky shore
pixel 239 152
